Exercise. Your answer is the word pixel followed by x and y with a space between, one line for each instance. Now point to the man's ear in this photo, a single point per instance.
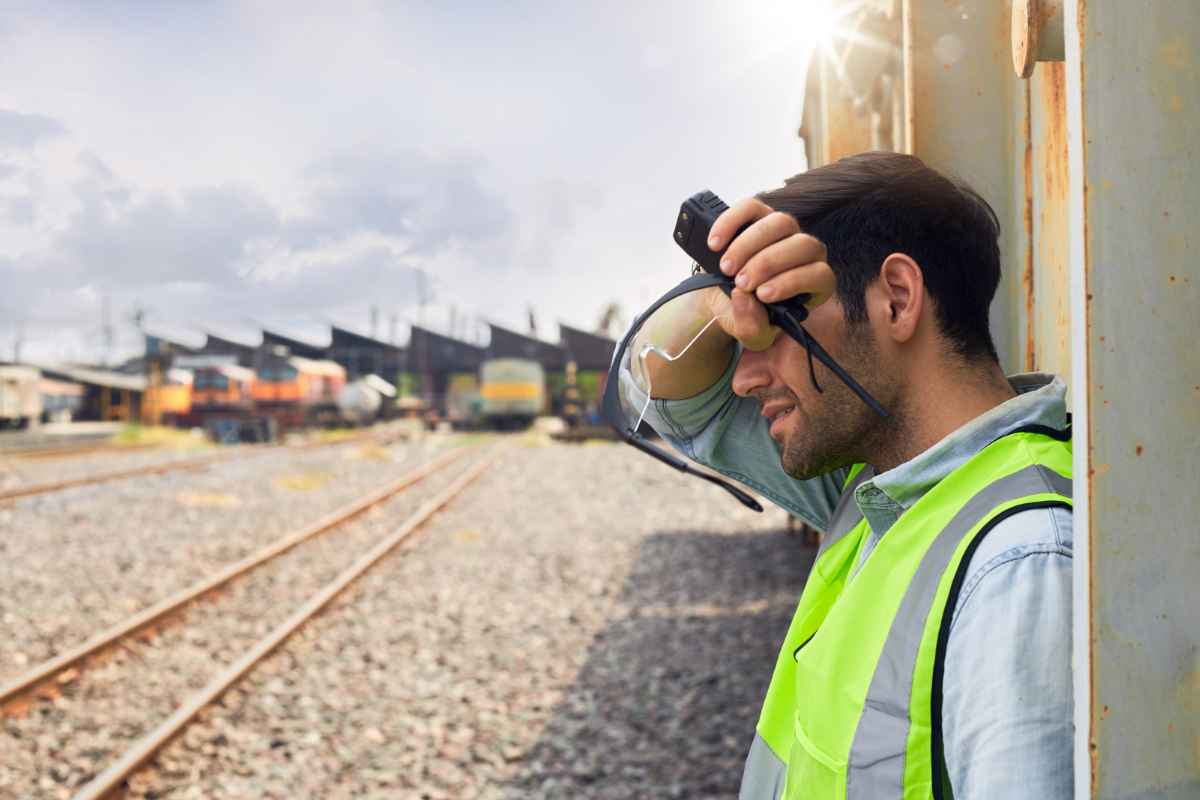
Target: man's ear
pixel 898 298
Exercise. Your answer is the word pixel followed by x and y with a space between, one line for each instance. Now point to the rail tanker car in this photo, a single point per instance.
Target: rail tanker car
pixel 512 392
pixel 366 400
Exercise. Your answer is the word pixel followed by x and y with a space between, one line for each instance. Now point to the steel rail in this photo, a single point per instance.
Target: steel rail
pixel 104 477
pixel 174 466
pixel 43 672
pixel 145 748
pixel 70 450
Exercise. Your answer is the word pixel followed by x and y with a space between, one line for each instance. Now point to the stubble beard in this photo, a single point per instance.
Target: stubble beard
pixel 836 428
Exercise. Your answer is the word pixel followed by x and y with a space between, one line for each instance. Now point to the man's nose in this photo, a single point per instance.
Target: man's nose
pixel 751 373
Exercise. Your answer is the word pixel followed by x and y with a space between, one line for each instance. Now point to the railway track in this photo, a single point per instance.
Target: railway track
pixel 71 449
pixel 15 697
pixel 196 463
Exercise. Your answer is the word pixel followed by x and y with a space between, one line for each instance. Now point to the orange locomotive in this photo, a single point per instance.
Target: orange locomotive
pixel 298 391
pixel 171 400
pixel 223 404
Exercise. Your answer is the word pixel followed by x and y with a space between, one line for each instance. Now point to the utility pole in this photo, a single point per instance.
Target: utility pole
pixel 106 315
pixel 374 322
pixel 18 342
pixel 423 294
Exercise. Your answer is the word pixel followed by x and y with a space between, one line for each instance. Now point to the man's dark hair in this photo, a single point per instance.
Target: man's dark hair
pixel 867 206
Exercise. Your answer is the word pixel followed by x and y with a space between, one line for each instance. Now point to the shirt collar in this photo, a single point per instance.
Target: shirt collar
pixel 1040 400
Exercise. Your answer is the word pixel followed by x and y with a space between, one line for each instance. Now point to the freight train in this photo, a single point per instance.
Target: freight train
pixel 234 403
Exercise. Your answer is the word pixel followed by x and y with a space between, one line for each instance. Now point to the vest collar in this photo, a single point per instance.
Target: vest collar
pixel 1040 400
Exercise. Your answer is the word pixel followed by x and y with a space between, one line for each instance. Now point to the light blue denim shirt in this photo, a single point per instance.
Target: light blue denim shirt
pixel 1007 707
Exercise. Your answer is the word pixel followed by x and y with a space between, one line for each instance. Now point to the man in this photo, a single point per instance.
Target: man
pixel 930 652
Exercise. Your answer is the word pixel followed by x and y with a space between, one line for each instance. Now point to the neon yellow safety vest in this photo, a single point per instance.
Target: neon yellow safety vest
pixel 854 707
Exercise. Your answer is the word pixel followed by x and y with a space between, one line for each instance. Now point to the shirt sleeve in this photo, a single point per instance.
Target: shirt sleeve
pixel 728 434
pixel 1007 711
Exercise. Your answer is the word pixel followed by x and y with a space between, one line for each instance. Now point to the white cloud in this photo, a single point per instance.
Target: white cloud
pixel 265 160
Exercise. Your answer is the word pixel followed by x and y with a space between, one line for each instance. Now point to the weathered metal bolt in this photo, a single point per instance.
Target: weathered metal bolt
pixel 1037 33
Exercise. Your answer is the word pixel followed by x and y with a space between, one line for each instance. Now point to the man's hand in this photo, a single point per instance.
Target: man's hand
pixel 771 260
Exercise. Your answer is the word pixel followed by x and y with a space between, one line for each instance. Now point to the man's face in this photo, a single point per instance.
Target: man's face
pixel 817 431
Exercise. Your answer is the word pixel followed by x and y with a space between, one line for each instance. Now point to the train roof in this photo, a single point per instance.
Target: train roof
pixel 330 369
pixel 19 371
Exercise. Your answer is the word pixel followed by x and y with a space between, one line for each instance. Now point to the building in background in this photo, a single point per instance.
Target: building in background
pixel 591 355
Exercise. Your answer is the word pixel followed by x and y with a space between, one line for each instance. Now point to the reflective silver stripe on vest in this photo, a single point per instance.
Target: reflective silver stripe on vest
pixel 765 774
pixel 876 768
pixel 846 514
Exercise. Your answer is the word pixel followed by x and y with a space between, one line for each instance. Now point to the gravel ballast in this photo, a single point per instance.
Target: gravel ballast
pixel 80 560
pixel 582 622
pixel 62 742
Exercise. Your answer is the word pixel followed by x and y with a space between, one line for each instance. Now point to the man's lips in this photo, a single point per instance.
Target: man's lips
pixel 775 412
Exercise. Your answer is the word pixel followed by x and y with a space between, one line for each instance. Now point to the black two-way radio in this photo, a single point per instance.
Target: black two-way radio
pixel 692 226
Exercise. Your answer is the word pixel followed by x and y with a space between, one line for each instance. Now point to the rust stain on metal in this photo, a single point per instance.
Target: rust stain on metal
pixel 1051 317
pixel 1027 274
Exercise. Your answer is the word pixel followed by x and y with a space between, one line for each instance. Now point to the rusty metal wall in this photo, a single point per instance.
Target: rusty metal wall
pixel 1135 195
pixel 1089 162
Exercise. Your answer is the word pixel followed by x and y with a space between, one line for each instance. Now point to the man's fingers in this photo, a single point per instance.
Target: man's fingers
pixel 737 215
pixel 797 250
pixel 816 279
pixel 763 233
pixel 749 322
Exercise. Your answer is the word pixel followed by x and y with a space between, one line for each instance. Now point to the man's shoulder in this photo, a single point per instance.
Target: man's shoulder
pixel 1039 537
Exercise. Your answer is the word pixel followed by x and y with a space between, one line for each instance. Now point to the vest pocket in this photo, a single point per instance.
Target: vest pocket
pixel 813 774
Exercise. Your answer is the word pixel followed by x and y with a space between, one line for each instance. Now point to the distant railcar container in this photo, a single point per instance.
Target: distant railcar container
pixel 20 400
pixel 512 391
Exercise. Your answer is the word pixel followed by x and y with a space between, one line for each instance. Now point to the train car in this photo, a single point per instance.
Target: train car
pixel 366 400
pixel 512 392
pixel 222 402
pixel 20 398
pixel 171 400
pixel 299 391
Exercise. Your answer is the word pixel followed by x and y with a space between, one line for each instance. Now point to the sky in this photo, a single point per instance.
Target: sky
pixel 227 166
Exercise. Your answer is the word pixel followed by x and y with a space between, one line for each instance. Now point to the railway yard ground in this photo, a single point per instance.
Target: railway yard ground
pixel 552 620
